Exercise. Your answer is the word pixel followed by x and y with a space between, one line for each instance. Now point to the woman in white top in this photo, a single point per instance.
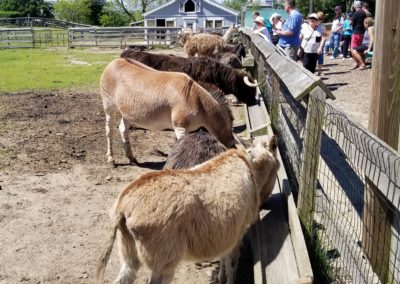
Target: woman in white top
pixel 261 29
pixel 276 24
pixel 311 39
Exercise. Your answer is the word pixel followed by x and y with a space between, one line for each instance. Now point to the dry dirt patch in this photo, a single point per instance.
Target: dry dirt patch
pixel 56 188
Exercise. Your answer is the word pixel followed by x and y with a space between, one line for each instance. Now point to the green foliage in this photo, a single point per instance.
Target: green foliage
pixel 327 6
pixel 235 4
pixel 49 69
pixel 32 8
pixel 113 16
pixel 96 7
pixel 9 14
pixel 77 11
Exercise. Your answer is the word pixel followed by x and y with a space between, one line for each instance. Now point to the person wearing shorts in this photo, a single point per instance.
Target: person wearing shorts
pixel 366 46
pixel 357 22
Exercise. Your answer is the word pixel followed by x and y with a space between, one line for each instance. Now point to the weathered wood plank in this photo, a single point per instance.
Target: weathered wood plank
pixel 310 156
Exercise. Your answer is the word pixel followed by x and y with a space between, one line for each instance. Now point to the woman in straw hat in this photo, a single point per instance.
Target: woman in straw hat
pixel 261 29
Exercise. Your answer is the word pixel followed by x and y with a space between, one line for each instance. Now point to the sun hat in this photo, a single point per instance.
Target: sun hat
pixel 357 4
pixel 260 20
pixel 274 15
pixel 312 16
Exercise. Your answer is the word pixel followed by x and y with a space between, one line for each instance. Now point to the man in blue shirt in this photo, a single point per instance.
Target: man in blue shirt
pixel 289 35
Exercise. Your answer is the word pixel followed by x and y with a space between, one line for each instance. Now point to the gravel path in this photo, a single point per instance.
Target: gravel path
pixel 351 88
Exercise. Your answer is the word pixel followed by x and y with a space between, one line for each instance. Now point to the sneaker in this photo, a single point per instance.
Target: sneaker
pixel 332 58
pixel 340 56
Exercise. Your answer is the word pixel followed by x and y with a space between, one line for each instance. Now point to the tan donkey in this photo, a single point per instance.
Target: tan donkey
pixel 197 214
pixel 157 100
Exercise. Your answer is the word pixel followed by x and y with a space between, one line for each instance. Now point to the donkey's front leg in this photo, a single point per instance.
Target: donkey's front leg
pixel 124 130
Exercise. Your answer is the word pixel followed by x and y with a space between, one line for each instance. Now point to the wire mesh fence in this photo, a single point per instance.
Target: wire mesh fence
pixel 351 213
pixel 345 180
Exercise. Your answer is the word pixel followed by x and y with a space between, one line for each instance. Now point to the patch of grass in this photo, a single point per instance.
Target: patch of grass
pixel 51 69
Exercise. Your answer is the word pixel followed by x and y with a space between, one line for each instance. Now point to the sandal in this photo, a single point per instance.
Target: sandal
pixel 361 68
pixel 354 67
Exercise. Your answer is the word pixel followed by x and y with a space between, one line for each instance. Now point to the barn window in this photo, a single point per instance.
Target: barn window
pixel 189 6
pixel 160 22
pixel 213 24
pixel 151 23
pixel 170 24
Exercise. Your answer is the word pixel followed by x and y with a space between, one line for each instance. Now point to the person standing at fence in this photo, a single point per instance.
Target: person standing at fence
pixel 261 29
pixel 357 22
pixel 255 15
pixel 336 32
pixel 289 35
pixel 324 34
pixel 367 45
pixel 310 42
pixel 347 32
pixel 276 23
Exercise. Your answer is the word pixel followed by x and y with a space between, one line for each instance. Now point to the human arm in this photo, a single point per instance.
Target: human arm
pixel 284 33
pixel 371 39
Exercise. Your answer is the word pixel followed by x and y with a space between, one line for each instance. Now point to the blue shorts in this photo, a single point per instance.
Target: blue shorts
pixel 320 59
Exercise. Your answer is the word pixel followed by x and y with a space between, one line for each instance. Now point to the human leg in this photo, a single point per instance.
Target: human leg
pixel 320 63
pixel 336 45
pixel 345 46
pixel 291 51
pixel 310 61
pixel 358 59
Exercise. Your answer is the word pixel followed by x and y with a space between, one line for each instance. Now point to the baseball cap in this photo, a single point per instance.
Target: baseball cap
pixel 338 7
pixel 313 16
pixel 357 4
pixel 274 15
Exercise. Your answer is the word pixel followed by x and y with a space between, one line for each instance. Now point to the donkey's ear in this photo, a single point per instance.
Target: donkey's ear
pixel 273 144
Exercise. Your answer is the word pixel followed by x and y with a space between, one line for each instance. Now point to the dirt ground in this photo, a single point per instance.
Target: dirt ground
pixel 56 188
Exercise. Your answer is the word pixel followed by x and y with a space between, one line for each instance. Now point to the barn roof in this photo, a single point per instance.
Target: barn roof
pixel 210 2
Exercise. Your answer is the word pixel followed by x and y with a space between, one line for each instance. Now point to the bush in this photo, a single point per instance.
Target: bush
pixel 10 14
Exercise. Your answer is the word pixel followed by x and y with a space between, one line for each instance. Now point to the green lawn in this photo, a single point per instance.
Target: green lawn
pixel 51 69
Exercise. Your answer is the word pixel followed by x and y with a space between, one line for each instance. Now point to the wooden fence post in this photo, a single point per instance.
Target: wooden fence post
pixel 384 121
pixel 310 156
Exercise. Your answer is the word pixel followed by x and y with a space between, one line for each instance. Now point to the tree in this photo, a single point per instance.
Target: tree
pixel 24 8
pixel 113 15
pixel 235 4
pixel 327 6
pixel 96 7
pixel 77 11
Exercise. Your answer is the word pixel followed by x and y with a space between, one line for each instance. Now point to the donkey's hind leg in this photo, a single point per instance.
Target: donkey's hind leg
pixel 128 256
pixel 110 121
pixel 124 130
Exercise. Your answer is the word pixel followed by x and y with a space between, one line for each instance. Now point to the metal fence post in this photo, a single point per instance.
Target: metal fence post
pixel 310 156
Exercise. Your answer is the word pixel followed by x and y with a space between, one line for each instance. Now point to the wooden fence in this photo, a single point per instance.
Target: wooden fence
pixel 30 38
pixel 119 37
pixel 330 162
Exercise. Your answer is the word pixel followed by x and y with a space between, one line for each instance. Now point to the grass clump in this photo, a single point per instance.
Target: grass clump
pixel 51 69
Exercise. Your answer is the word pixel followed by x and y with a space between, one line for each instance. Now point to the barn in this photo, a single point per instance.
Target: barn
pixel 195 14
